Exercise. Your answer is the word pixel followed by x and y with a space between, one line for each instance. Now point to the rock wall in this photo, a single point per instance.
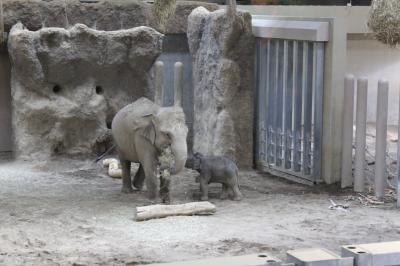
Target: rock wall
pixel 103 15
pixel 222 46
pixel 67 85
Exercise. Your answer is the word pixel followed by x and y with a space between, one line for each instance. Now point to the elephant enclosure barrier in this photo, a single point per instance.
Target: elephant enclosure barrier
pixel 354 163
pixel 289 91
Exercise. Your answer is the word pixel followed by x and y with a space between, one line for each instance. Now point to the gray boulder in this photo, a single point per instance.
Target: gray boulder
pixel 67 85
pixel 222 46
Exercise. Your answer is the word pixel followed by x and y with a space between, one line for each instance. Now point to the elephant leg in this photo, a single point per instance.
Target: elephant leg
pixel 233 184
pixel 126 176
pixel 150 170
pixel 204 188
pixel 139 178
pixel 224 192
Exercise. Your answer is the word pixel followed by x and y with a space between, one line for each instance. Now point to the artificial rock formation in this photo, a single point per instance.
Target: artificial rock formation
pixel 221 43
pixel 102 15
pixel 67 85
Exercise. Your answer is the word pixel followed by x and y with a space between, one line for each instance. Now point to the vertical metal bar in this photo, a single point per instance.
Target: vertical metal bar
pixel 318 109
pixel 178 83
pixel 280 102
pixel 257 94
pixel 347 135
pixel 271 101
pixel 398 161
pixel 266 117
pixel 289 105
pixel 298 107
pixel 159 76
pixel 381 137
pixel 361 134
pixel 308 94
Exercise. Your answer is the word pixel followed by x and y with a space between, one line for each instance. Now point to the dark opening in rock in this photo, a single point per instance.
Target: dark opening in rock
pixel 56 89
pixel 99 90
pixel 108 123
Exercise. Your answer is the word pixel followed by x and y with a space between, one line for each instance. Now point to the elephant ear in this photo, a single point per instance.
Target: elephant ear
pixel 149 132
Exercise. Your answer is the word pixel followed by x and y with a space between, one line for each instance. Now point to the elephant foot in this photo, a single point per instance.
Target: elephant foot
pixel 155 201
pixel 166 200
pixel 204 198
pixel 237 198
pixel 139 188
pixel 224 196
pixel 127 190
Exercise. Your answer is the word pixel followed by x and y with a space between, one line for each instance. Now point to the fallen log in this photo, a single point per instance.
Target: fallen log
pixel 162 211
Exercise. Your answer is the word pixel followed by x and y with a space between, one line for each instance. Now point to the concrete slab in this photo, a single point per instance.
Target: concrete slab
pixel 247 260
pixel 375 254
pixel 317 257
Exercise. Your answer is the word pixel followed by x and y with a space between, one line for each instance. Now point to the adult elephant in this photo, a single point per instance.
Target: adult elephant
pixel 141 131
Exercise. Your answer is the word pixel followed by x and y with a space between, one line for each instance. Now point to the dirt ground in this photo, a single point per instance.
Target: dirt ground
pixel 76 215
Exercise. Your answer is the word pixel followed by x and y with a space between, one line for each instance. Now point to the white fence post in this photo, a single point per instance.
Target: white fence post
pixel 347 135
pixel 361 128
pixel 159 90
pixel 381 138
pixel 178 83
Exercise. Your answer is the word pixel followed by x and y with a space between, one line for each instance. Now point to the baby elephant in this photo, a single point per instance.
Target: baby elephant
pixel 217 169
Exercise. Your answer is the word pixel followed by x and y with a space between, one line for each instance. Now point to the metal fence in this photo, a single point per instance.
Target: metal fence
pixel 289 90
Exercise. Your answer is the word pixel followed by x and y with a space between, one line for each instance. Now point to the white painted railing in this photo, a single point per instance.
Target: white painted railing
pixel 380 171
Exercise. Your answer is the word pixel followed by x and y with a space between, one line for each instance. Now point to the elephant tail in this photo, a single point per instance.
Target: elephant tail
pixel 105 153
pixel 237 176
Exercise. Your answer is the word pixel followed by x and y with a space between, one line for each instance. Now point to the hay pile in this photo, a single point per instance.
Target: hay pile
pixel 384 21
pixel 163 10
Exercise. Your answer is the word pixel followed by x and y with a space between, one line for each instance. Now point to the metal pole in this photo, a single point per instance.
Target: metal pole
pixel 347 135
pixel 159 93
pixel 398 160
pixel 361 130
pixel 381 137
pixel 178 83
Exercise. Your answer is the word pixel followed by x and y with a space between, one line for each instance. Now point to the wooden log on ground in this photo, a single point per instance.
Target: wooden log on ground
pixel 162 211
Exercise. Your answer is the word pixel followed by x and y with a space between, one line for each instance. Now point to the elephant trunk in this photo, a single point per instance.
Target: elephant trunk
pixel 179 150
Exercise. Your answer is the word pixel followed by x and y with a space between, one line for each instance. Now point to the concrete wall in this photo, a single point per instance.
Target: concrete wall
pixel 374 60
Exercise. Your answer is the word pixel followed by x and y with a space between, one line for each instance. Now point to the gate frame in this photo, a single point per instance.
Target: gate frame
pixel 333 92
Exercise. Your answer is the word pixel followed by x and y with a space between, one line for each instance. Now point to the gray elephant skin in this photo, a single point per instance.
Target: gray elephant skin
pixel 141 131
pixel 216 169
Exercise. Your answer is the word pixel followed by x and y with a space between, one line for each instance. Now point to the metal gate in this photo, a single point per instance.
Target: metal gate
pixel 289 108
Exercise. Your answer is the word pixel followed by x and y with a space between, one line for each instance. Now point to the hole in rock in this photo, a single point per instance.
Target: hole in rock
pixel 56 89
pixel 360 252
pixel 58 147
pixel 99 90
pixel 262 256
pixel 108 123
pixel 271 261
pixel 351 247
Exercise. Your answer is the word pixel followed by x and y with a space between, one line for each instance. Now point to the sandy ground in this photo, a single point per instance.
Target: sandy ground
pixel 76 215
